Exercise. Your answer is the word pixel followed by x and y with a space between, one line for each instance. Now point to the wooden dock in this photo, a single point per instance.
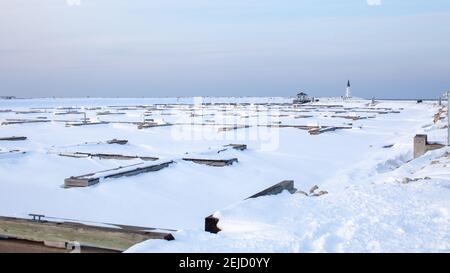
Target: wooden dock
pixel 107 113
pixel 13 138
pixel 321 130
pixel 117 141
pixel 301 127
pixel 212 162
pixel 69 113
pixel 86 123
pixel 11 152
pixel 350 117
pixel 23 121
pixel 64 235
pixel 131 170
pixel 235 127
pixel 239 147
pixel 147 125
pixel 30 112
pixel 108 156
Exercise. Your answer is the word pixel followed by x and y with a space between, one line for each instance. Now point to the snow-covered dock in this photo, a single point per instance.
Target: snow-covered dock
pixel 212 162
pixel 13 138
pixel 351 164
pixel 91 179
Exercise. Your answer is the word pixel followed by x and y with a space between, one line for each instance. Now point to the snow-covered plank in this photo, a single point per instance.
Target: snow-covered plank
pixel 109 156
pixel 212 162
pixel 131 170
pixel 13 138
pixel 17 121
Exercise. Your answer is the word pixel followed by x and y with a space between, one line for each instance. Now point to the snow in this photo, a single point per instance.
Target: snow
pixel 369 206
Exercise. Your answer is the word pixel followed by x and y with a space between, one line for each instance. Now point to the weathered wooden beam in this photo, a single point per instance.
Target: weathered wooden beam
pixel 320 106
pixel 321 130
pixel 9 122
pixel 240 147
pixel 125 157
pixel 69 113
pixel 59 234
pixel 117 141
pixel 302 127
pixel 13 138
pixel 318 131
pixel 70 108
pixel 81 181
pixel 109 156
pixel 139 170
pixel 349 117
pixel 30 112
pixel 74 155
pixel 87 123
pixel 146 125
pixel 235 127
pixel 11 152
pixel 212 162
pixel 106 113
pixel 12 245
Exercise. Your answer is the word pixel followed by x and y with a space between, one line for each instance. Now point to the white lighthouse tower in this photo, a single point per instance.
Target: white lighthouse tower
pixel 348 91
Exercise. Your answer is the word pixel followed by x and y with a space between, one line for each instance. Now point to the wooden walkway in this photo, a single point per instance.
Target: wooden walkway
pixel 91 179
pixel 13 138
pixel 212 162
pixel 62 234
pixel 108 156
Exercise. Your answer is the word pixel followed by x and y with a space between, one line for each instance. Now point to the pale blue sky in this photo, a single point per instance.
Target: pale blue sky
pixel 397 49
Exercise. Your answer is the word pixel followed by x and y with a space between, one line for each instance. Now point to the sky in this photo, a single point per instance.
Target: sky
pixel 161 48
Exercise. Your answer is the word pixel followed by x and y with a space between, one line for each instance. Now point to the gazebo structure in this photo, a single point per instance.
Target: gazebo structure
pixel 302 97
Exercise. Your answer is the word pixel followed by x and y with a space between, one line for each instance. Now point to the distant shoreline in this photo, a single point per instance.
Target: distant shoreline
pixel 291 97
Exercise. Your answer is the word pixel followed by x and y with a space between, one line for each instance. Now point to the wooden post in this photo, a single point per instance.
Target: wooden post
pixel 211 224
pixel 421 145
